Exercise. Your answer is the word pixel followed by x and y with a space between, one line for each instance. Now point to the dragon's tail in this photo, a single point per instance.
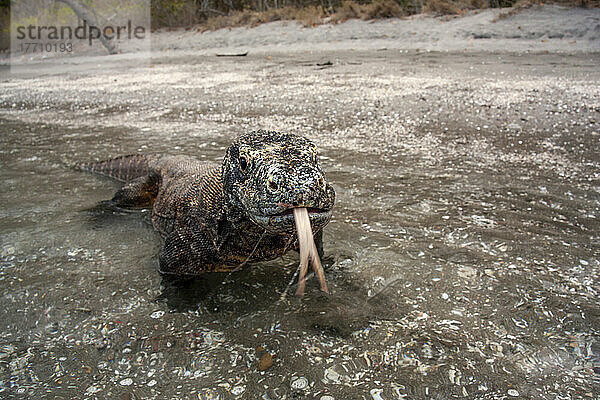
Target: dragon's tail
pixel 124 168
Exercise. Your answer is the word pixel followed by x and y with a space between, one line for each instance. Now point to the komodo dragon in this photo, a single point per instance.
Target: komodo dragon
pixel 217 218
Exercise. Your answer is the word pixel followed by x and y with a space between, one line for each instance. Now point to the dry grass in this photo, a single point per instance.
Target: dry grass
pixel 441 7
pixel 307 16
pixel 517 8
pixel 521 5
pixel 376 10
pixel 449 7
pixel 313 15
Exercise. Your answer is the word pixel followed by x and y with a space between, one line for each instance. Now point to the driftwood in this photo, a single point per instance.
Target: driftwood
pixel 233 55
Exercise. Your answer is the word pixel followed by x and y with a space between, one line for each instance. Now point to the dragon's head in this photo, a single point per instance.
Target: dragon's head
pixel 266 174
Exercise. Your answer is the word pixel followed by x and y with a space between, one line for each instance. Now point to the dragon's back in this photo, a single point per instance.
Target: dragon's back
pixel 172 185
pixel 123 168
pixel 184 184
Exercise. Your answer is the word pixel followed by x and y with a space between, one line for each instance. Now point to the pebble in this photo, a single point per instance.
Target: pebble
pixel 300 383
pixel 8 251
pixel 266 362
pixel 327 397
pixel 467 272
pixel 126 382
pixel 152 382
pixel 376 394
pixel 7 350
pixel 237 390
pixel 92 390
pixel 157 314
pixel 331 375
pixel 513 392
pixel 209 394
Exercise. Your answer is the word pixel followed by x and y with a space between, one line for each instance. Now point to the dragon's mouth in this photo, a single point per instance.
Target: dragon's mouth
pixel 284 220
pixel 290 211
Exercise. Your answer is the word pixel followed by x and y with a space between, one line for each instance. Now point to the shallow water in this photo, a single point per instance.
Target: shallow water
pixel 452 277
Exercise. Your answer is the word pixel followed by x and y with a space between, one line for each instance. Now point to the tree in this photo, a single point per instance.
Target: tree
pixel 86 13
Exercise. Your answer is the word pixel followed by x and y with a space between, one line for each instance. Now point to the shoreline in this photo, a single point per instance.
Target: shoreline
pixel 548 28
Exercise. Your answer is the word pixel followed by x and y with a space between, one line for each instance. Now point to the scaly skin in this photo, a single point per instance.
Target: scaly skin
pixel 216 218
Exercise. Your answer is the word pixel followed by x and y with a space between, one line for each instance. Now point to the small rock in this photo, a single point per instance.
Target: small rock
pixel 266 362
pixel 101 344
pixel 157 314
pixel 513 392
pixel 300 383
pixel 8 251
pixel 92 390
pixel 209 394
pixel 467 272
pixel 376 394
pixel 331 375
pixel 126 382
pixel 237 390
pixel 7 350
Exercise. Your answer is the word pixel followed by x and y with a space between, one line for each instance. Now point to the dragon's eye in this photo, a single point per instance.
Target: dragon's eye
pixel 243 163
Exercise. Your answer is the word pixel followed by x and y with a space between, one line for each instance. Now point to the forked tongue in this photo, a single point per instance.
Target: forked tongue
pixel 308 251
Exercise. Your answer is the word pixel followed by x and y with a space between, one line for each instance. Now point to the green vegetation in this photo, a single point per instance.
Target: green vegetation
pixel 4 24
